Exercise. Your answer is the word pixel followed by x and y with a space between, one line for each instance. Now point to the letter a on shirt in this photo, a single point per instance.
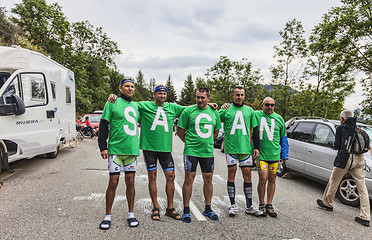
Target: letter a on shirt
pixel 269 132
pixel 238 123
pixel 162 122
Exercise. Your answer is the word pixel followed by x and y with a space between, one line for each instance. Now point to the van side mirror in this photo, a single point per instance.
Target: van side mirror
pixel 330 143
pixel 16 107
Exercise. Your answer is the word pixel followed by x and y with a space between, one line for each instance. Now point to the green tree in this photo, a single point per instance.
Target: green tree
pixel 171 95
pixel 348 28
pixel 152 85
pixel 46 26
pixel 142 92
pixel 226 74
pixel 290 55
pixel 188 92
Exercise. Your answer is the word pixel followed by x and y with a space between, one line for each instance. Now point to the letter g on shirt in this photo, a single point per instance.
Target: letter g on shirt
pixel 206 126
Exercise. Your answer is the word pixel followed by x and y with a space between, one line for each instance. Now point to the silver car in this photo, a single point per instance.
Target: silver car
pixel 311 154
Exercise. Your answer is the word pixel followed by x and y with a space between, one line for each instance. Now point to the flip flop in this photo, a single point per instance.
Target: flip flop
pixel 172 213
pixel 105 224
pixel 186 217
pixel 153 214
pixel 132 222
pixel 211 215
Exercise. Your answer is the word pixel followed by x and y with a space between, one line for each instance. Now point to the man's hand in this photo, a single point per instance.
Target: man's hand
pixel 213 105
pixel 256 153
pixel 225 106
pixel 112 98
pixel 104 154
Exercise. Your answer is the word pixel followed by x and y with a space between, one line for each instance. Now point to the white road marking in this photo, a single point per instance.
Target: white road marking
pixel 193 208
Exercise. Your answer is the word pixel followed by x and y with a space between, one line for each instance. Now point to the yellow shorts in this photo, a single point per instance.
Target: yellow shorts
pixel 270 166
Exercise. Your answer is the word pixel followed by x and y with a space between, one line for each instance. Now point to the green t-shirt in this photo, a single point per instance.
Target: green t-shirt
pixel 272 128
pixel 199 125
pixel 123 136
pixel 157 125
pixel 237 123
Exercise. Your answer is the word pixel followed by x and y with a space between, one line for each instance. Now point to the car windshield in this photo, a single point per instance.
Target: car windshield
pixel 94 118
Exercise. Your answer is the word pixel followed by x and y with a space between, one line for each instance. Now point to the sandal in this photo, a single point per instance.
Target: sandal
pixel 211 215
pixel 155 212
pixel 172 213
pixel 105 224
pixel 186 217
pixel 132 222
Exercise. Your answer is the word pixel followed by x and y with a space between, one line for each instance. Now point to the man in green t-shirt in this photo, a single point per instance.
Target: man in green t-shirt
pixel 238 121
pixel 119 124
pixel 273 148
pixel 157 120
pixel 198 126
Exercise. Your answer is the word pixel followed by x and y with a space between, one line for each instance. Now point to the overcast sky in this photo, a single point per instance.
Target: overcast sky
pixel 177 38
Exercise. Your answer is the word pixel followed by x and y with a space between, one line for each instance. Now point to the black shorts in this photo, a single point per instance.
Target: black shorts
pixel 191 163
pixel 165 160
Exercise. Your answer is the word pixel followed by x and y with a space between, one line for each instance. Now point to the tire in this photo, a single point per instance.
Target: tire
pixel 3 159
pixel 347 192
pixel 223 146
pixel 53 154
pixel 282 169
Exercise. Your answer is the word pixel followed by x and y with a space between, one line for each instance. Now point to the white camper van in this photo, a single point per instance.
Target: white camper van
pixel 37 105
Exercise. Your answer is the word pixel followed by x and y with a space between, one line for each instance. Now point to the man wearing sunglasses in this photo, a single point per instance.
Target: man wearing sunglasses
pixel 273 148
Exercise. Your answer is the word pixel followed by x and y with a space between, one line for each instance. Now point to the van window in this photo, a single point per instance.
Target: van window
pixel 53 85
pixel 13 88
pixel 323 134
pixel 68 94
pixel 303 131
pixel 34 91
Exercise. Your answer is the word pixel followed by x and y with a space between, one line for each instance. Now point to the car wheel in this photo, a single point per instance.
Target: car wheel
pixel 282 169
pixel 223 146
pixel 347 192
pixel 53 154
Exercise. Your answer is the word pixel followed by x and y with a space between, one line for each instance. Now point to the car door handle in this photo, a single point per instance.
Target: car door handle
pixel 309 150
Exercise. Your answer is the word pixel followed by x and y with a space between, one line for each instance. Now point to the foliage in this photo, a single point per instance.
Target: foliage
pixel 188 92
pixel 171 95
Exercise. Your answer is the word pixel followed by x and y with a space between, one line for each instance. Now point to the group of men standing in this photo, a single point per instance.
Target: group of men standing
pixel 197 128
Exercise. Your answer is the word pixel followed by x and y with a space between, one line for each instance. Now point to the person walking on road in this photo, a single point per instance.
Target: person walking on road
pixel 346 162
pixel 273 148
pixel 197 128
pixel 238 120
pixel 119 124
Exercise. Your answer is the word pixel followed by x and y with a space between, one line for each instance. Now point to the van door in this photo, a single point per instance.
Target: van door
pixel 35 130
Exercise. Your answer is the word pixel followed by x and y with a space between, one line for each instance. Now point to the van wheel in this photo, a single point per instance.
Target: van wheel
pixel 3 159
pixel 53 154
pixel 347 191
pixel 282 169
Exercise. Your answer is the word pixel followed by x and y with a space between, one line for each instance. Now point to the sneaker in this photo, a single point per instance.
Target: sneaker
pixel 270 210
pixel 361 221
pixel 232 210
pixel 322 205
pixel 262 209
pixel 253 210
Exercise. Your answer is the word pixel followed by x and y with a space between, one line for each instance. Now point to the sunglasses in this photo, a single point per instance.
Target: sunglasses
pixel 269 104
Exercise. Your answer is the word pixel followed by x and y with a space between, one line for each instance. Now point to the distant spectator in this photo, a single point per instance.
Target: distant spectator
pixel 87 127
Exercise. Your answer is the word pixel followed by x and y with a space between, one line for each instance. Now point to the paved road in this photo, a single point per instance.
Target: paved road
pixel 63 198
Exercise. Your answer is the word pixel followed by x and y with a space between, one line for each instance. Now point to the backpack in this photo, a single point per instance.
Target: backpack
pixel 361 142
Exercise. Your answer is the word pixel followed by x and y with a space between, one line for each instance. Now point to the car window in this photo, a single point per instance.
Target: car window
pixel 290 129
pixel 303 131
pixel 323 134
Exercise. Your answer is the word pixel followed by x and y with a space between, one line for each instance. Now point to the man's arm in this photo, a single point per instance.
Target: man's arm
pixel 215 133
pixel 102 137
pixel 112 98
pixel 181 133
pixel 256 142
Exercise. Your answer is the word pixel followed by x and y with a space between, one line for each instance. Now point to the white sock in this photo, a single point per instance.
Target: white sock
pixel 131 215
pixel 108 217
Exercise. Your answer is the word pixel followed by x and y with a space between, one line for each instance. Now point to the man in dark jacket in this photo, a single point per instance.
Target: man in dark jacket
pixel 346 161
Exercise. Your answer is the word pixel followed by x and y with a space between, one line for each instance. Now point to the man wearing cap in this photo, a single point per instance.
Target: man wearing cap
pixel 119 123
